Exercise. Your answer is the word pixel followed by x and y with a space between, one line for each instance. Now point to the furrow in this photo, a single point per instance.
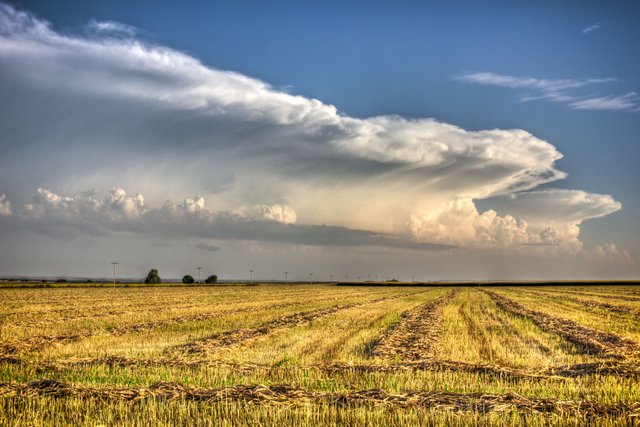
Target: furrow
pixel 240 336
pixel 613 368
pixel 292 395
pixel 416 335
pixel 614 308
pixel 38 343
pixel 591 340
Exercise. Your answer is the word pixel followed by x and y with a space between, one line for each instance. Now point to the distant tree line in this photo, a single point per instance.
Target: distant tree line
pixel 154 278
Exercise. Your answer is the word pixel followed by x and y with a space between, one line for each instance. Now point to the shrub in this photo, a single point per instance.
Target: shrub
pixel 188 279
pixel 153 277
pixel 212 279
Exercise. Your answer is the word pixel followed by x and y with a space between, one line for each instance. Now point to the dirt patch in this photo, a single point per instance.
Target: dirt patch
pixel 416 335
pixel 292 395
pixel 590 340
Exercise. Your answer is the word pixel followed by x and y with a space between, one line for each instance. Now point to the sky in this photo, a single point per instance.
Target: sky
pixel 458 141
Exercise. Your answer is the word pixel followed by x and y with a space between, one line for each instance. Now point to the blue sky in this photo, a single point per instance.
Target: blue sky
pixel 566 72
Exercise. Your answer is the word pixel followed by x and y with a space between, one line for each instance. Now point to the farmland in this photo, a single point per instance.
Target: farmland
pixel 320 355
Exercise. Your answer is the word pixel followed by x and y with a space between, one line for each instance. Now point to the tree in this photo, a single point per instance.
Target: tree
pixel 153 277
pixel 212 279
pixel 188 279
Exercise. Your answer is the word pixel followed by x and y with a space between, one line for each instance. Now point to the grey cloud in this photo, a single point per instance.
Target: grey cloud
pixel 118 212
pixel 208 247
pixel 160 245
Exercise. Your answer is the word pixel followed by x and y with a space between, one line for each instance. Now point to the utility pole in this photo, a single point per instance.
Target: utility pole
pixel 251 276
pixel 285 277
pixel 331 277
pixel 311 278
pixel 199 268
pixel 114 272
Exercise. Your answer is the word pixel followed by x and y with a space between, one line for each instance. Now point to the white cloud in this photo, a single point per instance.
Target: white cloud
pixel 624 102
pixel 194 204
pixel 535 221
pixel 459 223
pixel 111 28
pixel 547 221
pixel 5 205
pixel 117 212
pixel 591 28
pixel 556 90
pixel 609 252
pixel 554 216
pixel 513 82
pixel 116 205
pixel 280 212
pixel 557 206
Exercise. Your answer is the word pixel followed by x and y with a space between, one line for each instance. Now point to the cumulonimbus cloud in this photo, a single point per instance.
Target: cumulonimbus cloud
pixel 116 110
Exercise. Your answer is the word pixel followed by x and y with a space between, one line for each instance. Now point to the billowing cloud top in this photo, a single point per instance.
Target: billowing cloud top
pixel 101 111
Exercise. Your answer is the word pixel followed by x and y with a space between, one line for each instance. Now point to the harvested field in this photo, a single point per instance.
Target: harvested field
pixel 291 395
pixel 595 304
pixel 239 336
pixel 620 369
pixel 414 338
pixel 592 340
pixel 316 355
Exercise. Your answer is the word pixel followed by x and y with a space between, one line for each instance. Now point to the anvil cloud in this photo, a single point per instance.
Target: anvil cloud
pixel 83 114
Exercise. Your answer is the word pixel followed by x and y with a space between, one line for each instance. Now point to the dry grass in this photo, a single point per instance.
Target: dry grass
pixel 479 331
pixel 316 355
pixel 591 340
pixel 625 325
pixel 415 337
pixel 291 395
